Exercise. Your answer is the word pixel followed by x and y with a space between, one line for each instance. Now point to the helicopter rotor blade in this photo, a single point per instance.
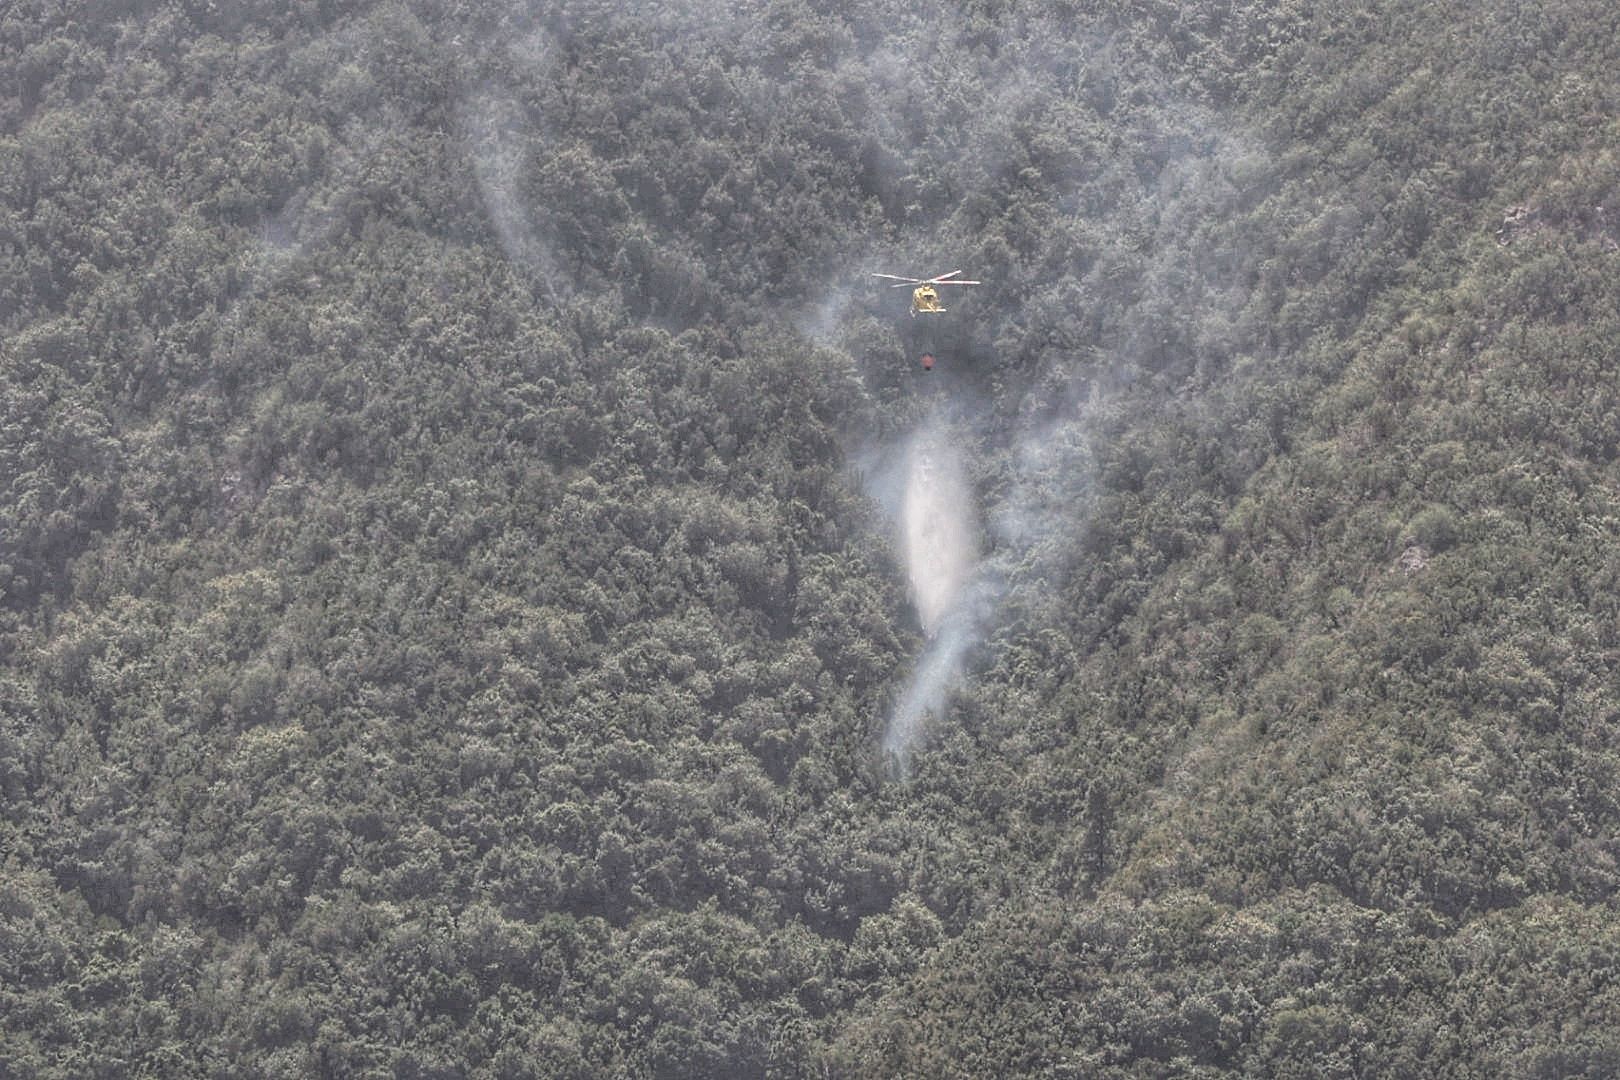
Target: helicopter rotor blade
pixel 943 279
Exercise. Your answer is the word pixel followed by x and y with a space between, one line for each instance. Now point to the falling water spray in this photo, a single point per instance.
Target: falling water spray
pixel 939 546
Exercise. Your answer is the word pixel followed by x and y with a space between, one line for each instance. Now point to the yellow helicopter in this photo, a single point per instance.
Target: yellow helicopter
pixel 923 297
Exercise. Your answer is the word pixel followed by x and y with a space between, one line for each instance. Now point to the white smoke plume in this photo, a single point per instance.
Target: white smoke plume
pixel 491 125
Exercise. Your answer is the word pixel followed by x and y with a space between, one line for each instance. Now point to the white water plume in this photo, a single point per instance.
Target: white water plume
pixel 939 546
pixel 938 529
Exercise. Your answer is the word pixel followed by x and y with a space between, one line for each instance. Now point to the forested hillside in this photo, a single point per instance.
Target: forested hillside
pixel 459 605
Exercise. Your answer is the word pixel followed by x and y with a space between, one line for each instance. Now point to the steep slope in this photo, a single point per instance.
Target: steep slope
pixel 1342 780
pixel 445 633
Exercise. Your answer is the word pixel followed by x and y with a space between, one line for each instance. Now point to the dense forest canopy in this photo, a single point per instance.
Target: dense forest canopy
pixel 487 591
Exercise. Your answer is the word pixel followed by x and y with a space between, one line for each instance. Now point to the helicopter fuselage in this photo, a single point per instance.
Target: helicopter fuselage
pixel 925 299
